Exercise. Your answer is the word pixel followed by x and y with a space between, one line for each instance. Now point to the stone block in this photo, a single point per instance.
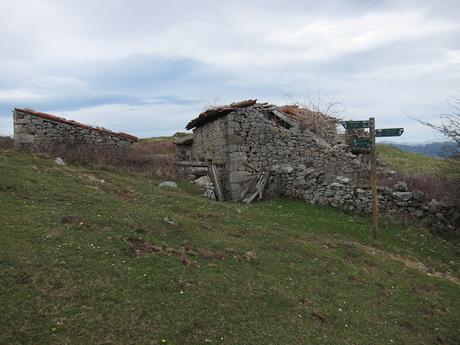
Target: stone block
pixel 24 138
pixel 22 121
pixel 235 140
pixel 239 177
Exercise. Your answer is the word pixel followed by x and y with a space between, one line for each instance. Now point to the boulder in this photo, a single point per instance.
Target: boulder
pixel 168 184
pixel 203 181
pixel 59 161
pixel 405 196
pixel 400 187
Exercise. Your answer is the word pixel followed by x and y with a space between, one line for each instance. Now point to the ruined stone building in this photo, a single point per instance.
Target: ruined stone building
pixel 299 152
pixel 42 132
pixel 289 143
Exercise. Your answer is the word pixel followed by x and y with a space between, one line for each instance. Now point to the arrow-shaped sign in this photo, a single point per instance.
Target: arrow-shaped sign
pixel 389 132
pixel 355 124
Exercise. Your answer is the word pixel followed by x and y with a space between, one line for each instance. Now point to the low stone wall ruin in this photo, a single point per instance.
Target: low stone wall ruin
pixel 41 132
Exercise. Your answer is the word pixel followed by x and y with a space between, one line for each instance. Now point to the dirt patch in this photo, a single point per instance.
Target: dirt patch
pixel 72 220
pixel 126 194
pixel 416 265
pixel 140 247
pixel 319 317
pixel 408 262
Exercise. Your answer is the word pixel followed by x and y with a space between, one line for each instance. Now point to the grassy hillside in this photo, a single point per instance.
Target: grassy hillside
pixel 89 256
pixel 416 164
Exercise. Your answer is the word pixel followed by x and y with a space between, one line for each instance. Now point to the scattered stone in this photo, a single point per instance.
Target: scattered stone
pixel 168 184
pixel 405 196
pixel 59 161
pixel 203 181
pixel 171 221
pixel 343 179
pixel 400 187
pixel 250 256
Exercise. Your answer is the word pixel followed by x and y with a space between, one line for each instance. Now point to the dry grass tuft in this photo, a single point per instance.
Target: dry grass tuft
pixel 149 158
pixel 6 143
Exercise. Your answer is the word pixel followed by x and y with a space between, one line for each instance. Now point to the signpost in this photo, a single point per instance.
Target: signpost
pixel 364 143
pixel 373 161
pixel 389 132
pixel 369 143
pixel 355 124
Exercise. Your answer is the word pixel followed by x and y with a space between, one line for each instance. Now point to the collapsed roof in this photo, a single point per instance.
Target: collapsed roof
pixel 292 114
pixel 217 112
pixel 58 119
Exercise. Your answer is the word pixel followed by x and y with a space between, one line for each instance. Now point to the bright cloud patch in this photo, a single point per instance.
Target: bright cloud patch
pixel 161 63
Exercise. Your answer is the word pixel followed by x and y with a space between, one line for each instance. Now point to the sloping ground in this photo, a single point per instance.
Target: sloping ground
pixel 418 164
pixel 90 256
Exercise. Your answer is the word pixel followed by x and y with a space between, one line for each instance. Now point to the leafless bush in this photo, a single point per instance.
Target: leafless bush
pixel 319 101
pixel 141 158
pixel 6 142
pixel 449 126
pixel 165 147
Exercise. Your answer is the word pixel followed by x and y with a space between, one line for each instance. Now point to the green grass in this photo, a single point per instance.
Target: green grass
pixel 417 164
pixel 165 138
pixel 69 277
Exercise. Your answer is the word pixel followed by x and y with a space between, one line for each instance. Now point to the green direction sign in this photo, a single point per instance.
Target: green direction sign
pixel 389 132
pixel 364 143
pixel 355 124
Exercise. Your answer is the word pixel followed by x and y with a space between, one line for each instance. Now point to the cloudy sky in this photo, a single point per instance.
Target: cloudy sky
pixel 147 67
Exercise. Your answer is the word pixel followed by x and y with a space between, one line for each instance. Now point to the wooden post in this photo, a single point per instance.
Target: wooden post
pixel 216 182
pixel 373 162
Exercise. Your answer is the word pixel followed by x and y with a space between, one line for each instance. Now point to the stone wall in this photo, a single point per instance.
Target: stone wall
pixel 254 137
pixel 42 132
pixel 302 165
pixel 209 142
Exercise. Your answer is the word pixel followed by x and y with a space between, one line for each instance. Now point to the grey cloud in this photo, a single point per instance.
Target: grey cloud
pixel 163 62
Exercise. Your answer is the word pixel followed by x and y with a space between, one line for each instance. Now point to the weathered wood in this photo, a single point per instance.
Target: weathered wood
pixel 260 187
pixel 193 164
pixel 373 162
pixel 250 167
pixel 263 184
pixel 248 188
pixel 215 180
pixel 196 164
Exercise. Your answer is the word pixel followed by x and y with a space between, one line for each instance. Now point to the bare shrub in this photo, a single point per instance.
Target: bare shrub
pixel 140 158
pixel 6 142
pixel 164 147
pixel 449 126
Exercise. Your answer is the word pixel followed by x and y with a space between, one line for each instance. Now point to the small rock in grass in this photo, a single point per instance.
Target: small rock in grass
pixel 203 181
pixel 249 256
pixel 168 184
pixel 59 161
pixel 171 221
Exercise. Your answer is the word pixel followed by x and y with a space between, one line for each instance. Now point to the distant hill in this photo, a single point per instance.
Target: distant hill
pixel 410 163
pixel 434 149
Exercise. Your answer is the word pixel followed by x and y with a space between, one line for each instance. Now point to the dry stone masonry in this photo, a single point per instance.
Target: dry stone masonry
pixel 302 160
pixel 41 132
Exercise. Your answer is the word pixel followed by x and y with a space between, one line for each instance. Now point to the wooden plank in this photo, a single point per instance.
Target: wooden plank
pixel 193 164
pixel 250 167
pixel 196 164
pixel 248 188
pixel 260 187
pixel 263 185
pixel 215 180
